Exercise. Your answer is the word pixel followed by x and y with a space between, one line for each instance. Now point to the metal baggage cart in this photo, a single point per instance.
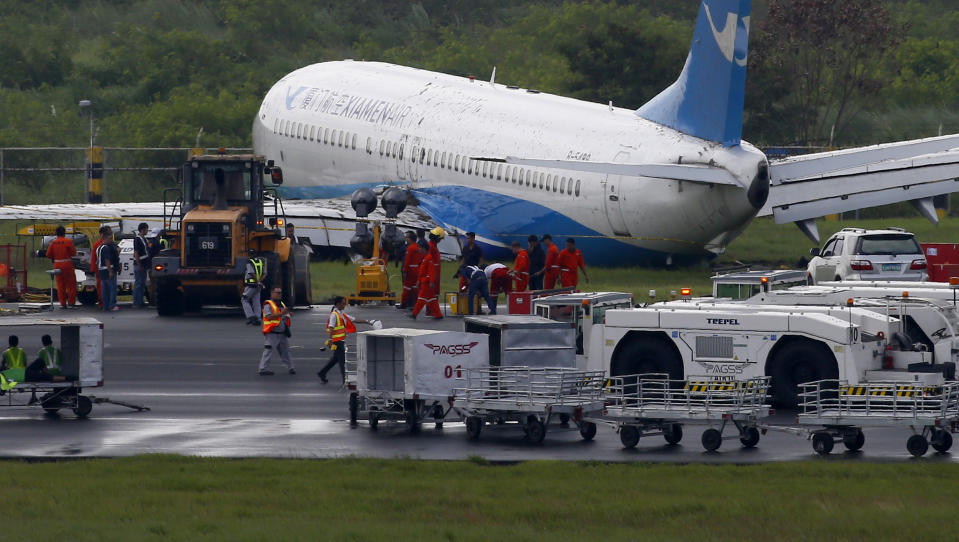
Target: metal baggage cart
pixel 407 375
pixel 652 404
pixel 835 411
pixel 81 343
pixel 530 396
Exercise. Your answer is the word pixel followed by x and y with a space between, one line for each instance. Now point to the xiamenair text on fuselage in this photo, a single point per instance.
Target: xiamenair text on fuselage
pixel 671 181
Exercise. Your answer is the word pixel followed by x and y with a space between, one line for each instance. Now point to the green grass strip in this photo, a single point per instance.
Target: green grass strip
pixel 180 498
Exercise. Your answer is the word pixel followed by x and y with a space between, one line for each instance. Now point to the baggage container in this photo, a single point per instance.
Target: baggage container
pixel 526 341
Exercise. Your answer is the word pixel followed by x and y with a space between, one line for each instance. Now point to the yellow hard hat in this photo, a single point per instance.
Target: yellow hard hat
pixel 438 231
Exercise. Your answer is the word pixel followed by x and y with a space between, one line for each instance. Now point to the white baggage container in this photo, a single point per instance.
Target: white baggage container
pixel 409 374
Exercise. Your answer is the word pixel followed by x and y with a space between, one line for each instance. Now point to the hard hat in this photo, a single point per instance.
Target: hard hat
pixel 377 324
pixel 155 232
pixel 438 231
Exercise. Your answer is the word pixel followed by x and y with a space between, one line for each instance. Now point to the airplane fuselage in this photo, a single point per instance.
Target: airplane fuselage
pixel 338 126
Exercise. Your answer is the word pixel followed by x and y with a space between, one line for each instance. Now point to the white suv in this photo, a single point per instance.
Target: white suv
pixel 858 254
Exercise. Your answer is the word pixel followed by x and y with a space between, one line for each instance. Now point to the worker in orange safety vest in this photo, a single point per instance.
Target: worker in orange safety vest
pixel 338 327
pixel 427 287
pixel 276 332
pixel 411 271
pixel 520 272
pixel 551 272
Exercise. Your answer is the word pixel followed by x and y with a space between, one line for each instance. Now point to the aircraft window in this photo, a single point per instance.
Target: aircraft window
pixel 312 132
pixel 577 187
pixel 422 155
pixel 549 182
pixel 460 164
pixel 499 171
pixel 286 128
pixel 429 157
pixel 382 146
pixel 369 145
pixel 517 172
pixel 469 167
pixel 276 123
pixel 562 186
pixel 389 148
pixel 353 142
pixel 536 179
pixel 326 135
pixel 506 177
pixel 333 137
pixel 401 151
pixel 339 140
pixel 443 160
pixel 485 168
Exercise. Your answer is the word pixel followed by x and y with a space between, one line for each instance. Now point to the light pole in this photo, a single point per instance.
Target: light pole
pixel 87 104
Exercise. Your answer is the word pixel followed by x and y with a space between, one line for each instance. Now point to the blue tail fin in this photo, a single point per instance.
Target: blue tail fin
pixel 707 99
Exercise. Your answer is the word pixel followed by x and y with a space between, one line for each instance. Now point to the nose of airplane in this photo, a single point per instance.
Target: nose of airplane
pixel 758 191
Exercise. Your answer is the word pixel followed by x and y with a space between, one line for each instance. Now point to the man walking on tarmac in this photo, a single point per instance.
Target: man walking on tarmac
pixel 61 251
pixel 276 332
pixel 93 262
pixel 427 286
pixel 411 269
pixel 252 286
pixel 141 264
pixel 338 326
pixel 551 271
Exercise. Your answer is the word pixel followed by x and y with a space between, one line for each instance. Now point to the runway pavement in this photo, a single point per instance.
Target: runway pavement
pixel 197 374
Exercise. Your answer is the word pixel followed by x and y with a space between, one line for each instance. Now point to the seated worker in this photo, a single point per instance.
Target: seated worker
pixel 13 363
pixel 47 366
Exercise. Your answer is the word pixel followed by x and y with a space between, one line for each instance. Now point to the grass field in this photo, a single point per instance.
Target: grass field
pixel 177 498
pixel 763 243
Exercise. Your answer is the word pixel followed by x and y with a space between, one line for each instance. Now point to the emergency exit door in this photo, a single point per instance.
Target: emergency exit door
pixel 614 199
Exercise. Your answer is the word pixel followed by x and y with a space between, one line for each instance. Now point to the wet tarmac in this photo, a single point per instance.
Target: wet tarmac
pixel 197 374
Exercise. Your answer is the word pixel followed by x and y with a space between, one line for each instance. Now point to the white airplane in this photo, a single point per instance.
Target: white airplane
pixel 670 182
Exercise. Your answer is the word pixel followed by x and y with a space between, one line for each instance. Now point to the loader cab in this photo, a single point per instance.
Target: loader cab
pixel 223 182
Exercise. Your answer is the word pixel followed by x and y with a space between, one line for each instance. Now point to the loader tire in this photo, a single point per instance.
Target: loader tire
pixel 648 354
pixel 301 275
pixel 169 300
pixel 796 363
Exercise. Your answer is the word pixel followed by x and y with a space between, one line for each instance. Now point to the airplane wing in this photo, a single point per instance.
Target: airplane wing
pixel 325 223
pixel 805 187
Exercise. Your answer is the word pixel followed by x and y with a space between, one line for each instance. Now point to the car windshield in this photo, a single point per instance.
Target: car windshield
pixel 889 244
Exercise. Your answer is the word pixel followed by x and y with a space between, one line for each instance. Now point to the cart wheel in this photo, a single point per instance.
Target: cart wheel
pixel 587 430
pixel 84 406
pixel 917 445
pixel 942 441
pixel 750 437
pixel 673 433
pixel 629 436
pixel 374 420
pixel 712 439
pixel 474 426
pixel 412 421
pixel 564 419
pixel 822 442
pixel 853 439
pixel 535 431
pixel 354 407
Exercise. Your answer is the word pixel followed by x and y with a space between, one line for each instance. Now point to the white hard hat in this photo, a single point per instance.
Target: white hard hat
pixel 377 324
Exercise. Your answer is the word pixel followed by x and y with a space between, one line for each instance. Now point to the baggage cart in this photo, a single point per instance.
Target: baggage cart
pixel 531 396
pixel 652 404
pixel 81 343
pixel 833 411
pixel 408 375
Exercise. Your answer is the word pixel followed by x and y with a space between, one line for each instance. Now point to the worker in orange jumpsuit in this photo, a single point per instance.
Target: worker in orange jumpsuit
pixel 411 271
pixel 93 261
pixel 427 287
pixel 552 263
pixel 520 270
pixel 570 260
pixel 436 235
pixel 61 250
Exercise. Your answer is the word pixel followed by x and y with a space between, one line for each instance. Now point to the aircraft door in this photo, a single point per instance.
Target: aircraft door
pixel 614 199
pixel 402 156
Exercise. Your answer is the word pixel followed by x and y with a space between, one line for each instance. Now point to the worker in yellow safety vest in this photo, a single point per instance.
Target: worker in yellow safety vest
pixel 13 364
pixel 276 332
pixel 338 326
pixel 51 356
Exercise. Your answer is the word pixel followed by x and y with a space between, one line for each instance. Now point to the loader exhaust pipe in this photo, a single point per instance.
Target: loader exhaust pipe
pixel 219 194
